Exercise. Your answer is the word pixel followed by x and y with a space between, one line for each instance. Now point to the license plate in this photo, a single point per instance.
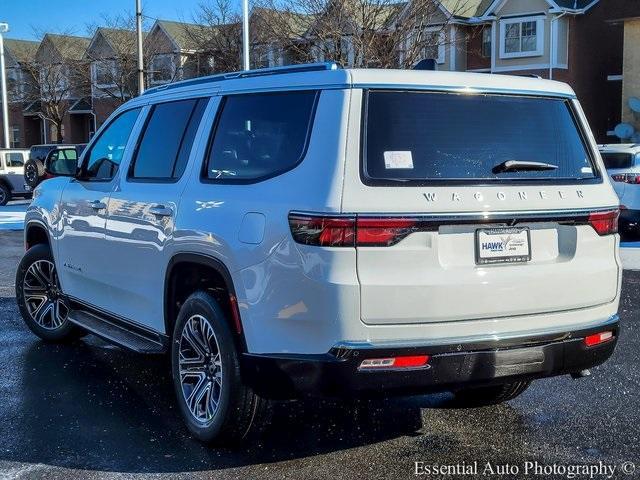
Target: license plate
pixel 502 245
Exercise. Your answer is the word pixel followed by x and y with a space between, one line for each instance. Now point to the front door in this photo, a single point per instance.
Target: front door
pixel 141 214
pixel 81 245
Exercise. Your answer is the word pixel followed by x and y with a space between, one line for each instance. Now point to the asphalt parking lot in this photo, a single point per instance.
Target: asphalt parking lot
pixel 90 410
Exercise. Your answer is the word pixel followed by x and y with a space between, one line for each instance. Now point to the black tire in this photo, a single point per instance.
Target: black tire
pixel 492 395
pixel 54 326
pixel 33 172
pixel 5 195
pixel 240 413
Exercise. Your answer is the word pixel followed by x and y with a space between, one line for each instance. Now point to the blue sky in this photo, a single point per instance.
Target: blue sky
pixel 25 17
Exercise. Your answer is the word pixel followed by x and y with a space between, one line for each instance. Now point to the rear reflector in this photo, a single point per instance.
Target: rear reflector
pixel 598 338
pixel 414 361
pixel 604 223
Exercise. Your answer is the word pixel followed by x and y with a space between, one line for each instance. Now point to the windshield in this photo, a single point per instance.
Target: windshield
pixel 426 137
pixel 614 160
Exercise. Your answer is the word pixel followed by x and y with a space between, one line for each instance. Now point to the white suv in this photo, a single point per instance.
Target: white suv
pixel 622 162
pixel 311 230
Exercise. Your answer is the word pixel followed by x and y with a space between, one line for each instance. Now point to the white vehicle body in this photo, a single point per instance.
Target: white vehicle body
pixel 116 242
pixel 12 170
pixel 622 162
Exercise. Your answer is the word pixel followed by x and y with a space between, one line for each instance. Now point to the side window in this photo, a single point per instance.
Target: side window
pixel 15 159
pixel 167 139
pixel 102 161
pixel 260 135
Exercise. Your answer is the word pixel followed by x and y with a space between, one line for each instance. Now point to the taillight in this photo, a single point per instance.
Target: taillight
pixel 604 223
pixel 598 339
pixel 382 232
pixel 323 231
pixel 632 178
pixel 349 231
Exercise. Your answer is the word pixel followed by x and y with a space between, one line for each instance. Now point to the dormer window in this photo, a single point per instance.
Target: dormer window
pixel 521 37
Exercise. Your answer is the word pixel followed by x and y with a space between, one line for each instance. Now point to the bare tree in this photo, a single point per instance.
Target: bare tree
pixel 216 35
pixel 112 58
pixel 57 76
pixel 380 33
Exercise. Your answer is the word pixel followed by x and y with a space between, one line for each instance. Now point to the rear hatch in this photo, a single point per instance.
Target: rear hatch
pixel 473 206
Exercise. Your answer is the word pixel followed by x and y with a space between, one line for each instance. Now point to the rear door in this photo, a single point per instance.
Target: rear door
pixel 475 206
pixel 142 211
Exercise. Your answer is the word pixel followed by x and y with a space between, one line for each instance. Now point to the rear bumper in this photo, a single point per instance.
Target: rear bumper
pixel 451 366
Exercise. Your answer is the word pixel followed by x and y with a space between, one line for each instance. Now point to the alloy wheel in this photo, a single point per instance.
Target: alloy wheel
pixel 42 295
pixel 200 368
pixel 3 196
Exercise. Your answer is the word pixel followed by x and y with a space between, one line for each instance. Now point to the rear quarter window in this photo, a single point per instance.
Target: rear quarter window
pixel 260 135
pixel 428 137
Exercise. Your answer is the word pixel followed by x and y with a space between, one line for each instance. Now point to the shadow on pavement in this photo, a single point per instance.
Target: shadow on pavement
pixel 92 406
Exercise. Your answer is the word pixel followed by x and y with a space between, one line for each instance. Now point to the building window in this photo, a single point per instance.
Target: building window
pixel 522 37
pixel 104 73
pixel 15 137
pixel 162 69
pixel 433 40
pixel 487 33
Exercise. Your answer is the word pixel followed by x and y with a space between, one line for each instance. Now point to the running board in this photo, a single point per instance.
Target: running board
pixel 133 338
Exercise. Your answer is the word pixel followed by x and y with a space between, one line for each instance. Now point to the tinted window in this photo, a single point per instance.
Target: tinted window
pixel 14 159
pixel 260 135
pixel 103 160
pixel 425 137
pixel 617 160
pixel 167 139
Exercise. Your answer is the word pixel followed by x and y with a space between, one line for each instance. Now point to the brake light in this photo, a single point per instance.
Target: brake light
pixel 382 232
pixel 412 361
pixel 604 223
pixel 598 339
pixel 323 231
pixel 349 231
pixel 632 178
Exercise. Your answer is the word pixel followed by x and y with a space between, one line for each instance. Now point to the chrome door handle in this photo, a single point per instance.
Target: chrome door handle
pixel 160 211
pixel 97 205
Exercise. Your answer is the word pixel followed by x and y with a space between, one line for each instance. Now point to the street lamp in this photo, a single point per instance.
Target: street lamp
pixel 245 35
pixel 4 28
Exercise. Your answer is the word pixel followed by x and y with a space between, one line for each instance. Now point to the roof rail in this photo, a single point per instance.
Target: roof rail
pixel 258 72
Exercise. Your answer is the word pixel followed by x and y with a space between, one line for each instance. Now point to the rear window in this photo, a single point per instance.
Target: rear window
pixel 617 160
pixel 426 137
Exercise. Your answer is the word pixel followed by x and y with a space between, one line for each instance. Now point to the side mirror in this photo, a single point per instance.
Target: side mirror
pixel 62 162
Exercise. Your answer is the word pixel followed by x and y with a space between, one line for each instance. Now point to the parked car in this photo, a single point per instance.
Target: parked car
pixel 35 171
pixel 310 230
pixel 622 162
pixel 11 174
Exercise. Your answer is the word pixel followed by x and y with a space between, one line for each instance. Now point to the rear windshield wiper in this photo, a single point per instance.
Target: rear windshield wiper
pixel 522 166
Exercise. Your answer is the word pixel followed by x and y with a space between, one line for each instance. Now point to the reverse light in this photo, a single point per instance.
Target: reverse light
pixel 412 361
pixel 604 223
pixel 598 338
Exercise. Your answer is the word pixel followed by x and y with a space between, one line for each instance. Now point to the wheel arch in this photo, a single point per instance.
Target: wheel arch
pixel 36 232
pixel 201 272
